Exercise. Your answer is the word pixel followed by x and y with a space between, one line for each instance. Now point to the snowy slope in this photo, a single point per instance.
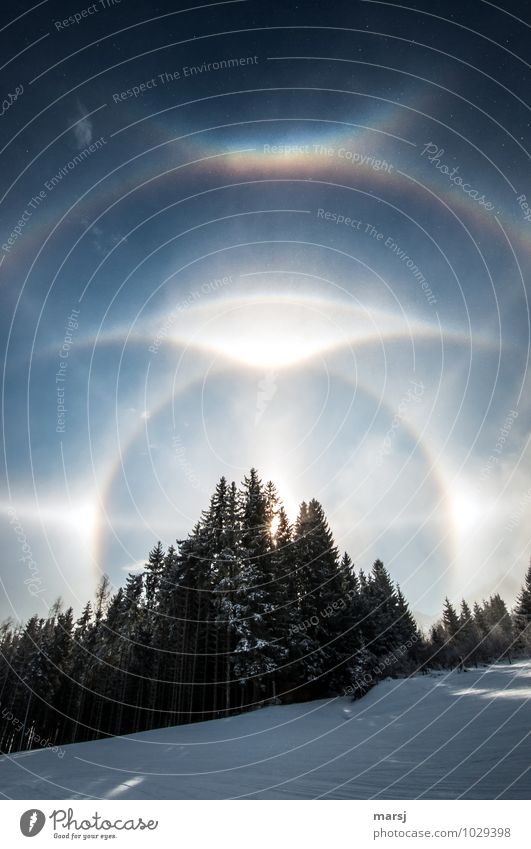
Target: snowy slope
pixel 439 736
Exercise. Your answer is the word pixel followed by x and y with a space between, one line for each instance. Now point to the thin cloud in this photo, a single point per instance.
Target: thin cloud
pixel 83 130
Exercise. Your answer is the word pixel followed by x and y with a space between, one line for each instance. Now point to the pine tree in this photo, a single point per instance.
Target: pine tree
pixel 468 636
pixel 285 598
pixel 407 628
pixel 501 627
pixel 153 572
pixel 480 619
pixel 320 592
pixel 259 649
pixel 450 620
pixel 9 639
pixel 382 625
pixel 192 622
pixel 60 651
pixel 438 650
pixel 354 672
pixel 522 616
pixel 28 683
pixel 93 675
pixel 76 688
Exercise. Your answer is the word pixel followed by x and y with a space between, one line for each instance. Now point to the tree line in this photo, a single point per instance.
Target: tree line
pixel 248 609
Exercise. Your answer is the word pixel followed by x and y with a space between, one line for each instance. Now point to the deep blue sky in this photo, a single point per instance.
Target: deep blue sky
pixel 311 254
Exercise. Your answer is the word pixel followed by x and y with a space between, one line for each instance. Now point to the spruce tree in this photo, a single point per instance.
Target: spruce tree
pixel 259 649
pixel 352 674
pixel 522 616
pixel 153 573
pixel 320 599
pixel 382 625
pixel 285 598
pixel 407 628
pixel 468 637
pixel 501 627
pixel 450 620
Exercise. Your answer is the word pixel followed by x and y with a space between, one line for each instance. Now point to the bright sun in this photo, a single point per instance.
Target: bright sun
pixel 262 334
pixel 82 517
pixel 466 511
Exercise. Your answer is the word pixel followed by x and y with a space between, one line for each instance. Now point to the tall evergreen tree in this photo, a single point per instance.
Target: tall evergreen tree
pixel 501 626
pixel 259 650
pixel 320 592
pixel 468 636
pixel 450 620
pixel 153 574
pixel 382 625
pixel 522 615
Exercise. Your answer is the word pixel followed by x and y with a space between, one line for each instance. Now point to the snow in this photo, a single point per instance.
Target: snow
pixel 439 736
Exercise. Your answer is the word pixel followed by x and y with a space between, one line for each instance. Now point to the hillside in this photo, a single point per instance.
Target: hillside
pixel 444 735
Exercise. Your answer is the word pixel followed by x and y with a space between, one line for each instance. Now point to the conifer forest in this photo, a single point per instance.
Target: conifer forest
pixel 248 610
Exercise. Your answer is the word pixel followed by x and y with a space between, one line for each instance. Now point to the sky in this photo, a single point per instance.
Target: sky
pixel 290 235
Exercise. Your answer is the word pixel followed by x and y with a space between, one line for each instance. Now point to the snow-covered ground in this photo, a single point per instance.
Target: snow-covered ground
pixel 442 736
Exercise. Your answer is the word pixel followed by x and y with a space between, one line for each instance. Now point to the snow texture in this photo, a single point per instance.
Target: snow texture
pixel 438 736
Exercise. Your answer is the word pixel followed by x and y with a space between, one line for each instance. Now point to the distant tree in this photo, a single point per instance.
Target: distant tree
pixel 406 627
pixel 438 653
pixel 450 620
pixel 501 630
pixel 468 636
pixel 522 616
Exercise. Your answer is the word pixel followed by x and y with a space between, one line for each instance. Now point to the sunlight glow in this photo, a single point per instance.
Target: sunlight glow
pixel 82 517
pixel 271 336
pixel 78 518
pixel 466 511
pixel 267 333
